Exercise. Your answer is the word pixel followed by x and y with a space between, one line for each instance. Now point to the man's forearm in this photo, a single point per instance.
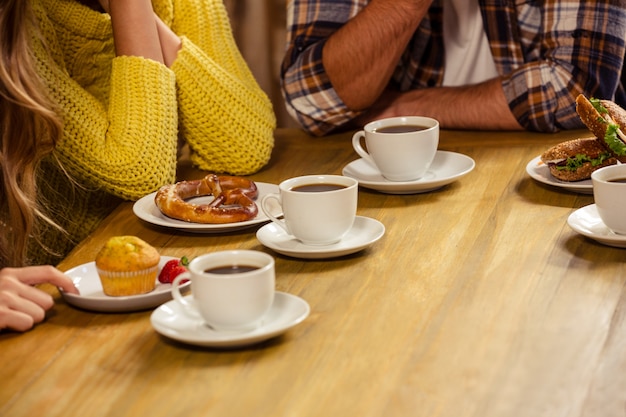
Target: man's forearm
pixel 482 106
pixel 361 56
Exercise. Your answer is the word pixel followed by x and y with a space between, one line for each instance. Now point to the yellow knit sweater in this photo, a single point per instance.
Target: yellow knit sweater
pixel 122 115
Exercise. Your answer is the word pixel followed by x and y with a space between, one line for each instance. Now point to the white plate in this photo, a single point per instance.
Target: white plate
pixel 540 172
pixel 446 168
pixel 364 233
pixel 587 222
pixel 146 210
pixel 171 321
pixel 86 279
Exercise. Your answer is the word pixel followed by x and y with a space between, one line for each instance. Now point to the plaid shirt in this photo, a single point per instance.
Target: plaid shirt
pixel 547 52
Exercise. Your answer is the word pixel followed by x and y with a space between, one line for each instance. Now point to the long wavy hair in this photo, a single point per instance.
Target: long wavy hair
pixel 30 127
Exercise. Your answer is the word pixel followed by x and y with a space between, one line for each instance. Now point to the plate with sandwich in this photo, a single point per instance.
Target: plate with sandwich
pixel 569 164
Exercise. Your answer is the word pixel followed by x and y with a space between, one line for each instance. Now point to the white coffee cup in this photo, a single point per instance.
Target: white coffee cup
pixel 609 193
pixel 317 209
pixel 402 148
pixel 234 300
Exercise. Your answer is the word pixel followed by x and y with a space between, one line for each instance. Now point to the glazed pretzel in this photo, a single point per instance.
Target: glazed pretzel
pixel 233 200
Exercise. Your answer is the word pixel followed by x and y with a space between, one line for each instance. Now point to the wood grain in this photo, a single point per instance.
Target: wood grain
pixel 478 301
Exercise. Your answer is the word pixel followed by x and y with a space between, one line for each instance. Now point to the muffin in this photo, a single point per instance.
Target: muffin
pixel 127 266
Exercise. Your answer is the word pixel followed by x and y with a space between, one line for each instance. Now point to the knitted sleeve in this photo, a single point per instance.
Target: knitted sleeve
pixel 224 115
pixel 129 148
pixel 122 142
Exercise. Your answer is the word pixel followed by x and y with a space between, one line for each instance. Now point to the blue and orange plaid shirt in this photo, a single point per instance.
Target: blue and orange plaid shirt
pixel 546 51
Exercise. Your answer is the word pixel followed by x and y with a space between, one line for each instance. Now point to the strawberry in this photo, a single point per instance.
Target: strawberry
pixel 172 269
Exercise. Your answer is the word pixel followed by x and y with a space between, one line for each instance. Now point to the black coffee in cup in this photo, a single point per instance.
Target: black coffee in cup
pixel 400 129
pixel 317 188
pixel 230 269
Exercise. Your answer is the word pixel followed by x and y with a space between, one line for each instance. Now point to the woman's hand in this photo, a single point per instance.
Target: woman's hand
pixel 104 4
pixel 21 304
pixel 138 31
pixel 135 32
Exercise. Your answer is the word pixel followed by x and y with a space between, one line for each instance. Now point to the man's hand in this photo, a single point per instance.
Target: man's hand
pixel 477 107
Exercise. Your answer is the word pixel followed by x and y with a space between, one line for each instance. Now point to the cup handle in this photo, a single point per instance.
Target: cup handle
pixel 358 147
pixel 268 212
pixel 189 307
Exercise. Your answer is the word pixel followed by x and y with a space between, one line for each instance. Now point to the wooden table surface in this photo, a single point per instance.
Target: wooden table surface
pixel 479 300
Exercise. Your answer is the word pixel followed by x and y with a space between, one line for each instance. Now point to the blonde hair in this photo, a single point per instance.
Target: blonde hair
pixel 29 130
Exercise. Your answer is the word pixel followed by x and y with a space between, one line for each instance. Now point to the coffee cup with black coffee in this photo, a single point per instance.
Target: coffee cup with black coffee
pixel 316 209
pixel 609 194
pixel 401 148
pixel 230 290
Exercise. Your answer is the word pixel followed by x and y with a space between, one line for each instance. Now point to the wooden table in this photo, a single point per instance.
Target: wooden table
pixel 479 301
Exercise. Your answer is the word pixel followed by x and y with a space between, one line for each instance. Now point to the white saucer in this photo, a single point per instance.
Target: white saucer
pixel 587 222
pixel 86 279
pixel 364 233
pixel 446 168
pixel 146 210
pixel 171 321
pixel 540 172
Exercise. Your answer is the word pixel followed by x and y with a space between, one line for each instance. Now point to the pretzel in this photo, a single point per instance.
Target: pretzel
pixel 233 200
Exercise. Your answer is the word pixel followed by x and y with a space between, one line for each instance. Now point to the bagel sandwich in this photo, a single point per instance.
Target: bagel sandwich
pixel 575 160
pixel 607 121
